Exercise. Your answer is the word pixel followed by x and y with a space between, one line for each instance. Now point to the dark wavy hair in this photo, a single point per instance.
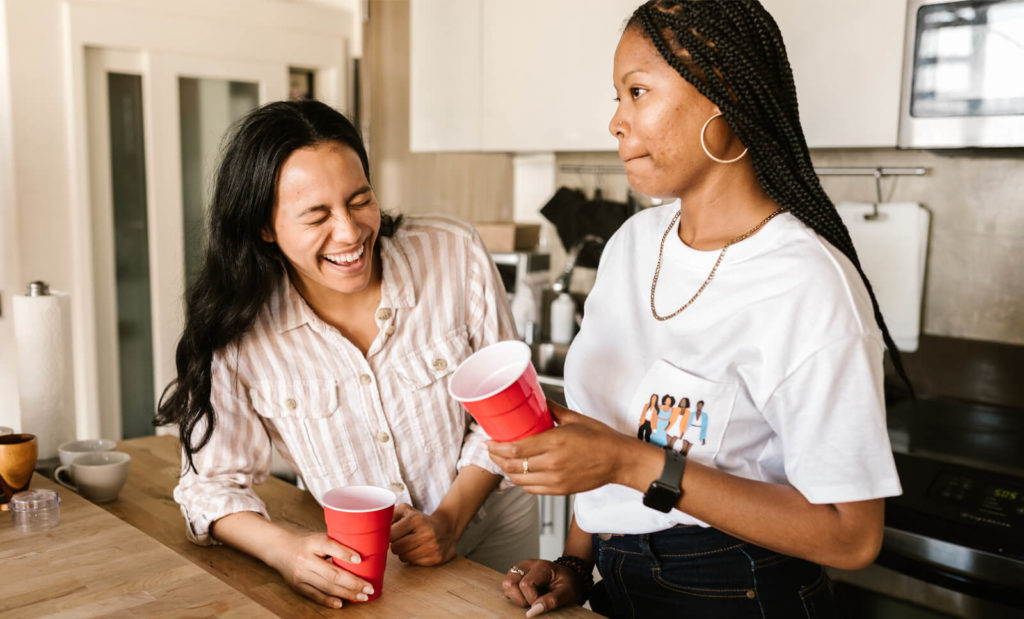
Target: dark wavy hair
pixel 732 52
pixel 240 270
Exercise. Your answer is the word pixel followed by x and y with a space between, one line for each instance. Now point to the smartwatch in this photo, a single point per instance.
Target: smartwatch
pixel 664 492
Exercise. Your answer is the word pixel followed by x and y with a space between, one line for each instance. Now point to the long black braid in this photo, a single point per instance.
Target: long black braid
pixel 732 52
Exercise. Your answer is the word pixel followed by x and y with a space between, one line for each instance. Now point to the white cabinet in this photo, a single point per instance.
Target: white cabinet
pixel 847 64
pixel 444 75
pixel 528 75
pixel 547 73
pixel 536 75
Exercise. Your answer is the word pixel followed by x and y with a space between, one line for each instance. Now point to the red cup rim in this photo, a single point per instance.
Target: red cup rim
pixel 384 497
pixel 509 349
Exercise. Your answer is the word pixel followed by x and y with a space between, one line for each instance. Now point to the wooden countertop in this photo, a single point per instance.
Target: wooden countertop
pixel 93 564
pixel 459 588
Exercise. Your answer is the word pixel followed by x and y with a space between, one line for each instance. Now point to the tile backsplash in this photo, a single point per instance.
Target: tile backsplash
pixel 974 286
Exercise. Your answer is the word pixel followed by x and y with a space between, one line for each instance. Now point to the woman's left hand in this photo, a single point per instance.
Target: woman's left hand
pixel 580 454
pixel 421 539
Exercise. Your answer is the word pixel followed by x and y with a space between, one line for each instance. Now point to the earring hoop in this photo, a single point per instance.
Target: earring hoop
pixel 704 145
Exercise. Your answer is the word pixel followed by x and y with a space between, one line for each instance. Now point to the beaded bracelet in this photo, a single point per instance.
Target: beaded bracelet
pixel 584 568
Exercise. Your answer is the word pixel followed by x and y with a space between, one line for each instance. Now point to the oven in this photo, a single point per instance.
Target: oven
pixel 954 541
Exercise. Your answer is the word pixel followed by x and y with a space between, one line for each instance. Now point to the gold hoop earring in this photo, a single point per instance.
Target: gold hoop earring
pixel 704 145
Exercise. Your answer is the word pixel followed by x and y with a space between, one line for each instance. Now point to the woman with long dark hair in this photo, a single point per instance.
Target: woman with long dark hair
pixel 746 294
pixel 327 329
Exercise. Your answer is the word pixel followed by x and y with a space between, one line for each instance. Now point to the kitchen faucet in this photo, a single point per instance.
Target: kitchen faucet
pixel 562 283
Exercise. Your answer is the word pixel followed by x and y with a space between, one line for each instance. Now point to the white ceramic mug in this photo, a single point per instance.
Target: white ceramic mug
pixel 98 476
pixel 72 449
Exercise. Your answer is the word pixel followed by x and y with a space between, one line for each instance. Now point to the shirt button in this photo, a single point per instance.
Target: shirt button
pixel 397 486
pixel 382 436
pixel 291 404
pixel 440 364
pixel 365 379
pixel 390 330
pixel 383 313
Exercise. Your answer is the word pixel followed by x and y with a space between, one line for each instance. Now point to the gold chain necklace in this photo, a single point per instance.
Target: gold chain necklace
pixel 661 251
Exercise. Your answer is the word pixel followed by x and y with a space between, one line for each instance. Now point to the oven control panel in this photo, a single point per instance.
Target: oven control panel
pixel 979 499
pixel 965 505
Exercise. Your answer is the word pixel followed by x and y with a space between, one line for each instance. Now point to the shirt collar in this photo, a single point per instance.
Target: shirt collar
pixel 291 309
pixel 397 289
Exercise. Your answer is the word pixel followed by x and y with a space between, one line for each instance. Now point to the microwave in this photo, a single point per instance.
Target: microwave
pixel 963 82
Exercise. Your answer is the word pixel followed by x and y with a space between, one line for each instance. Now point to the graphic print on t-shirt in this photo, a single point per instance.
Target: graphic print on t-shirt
pixel 681 411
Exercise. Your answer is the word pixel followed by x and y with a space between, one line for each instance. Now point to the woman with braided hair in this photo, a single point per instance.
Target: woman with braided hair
pixel 746 294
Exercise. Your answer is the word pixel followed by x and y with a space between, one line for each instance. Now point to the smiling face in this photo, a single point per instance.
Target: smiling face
pixel 658 120
pixel 326 221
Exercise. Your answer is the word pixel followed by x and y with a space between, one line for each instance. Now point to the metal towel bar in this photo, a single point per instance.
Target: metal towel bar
pixel 878 173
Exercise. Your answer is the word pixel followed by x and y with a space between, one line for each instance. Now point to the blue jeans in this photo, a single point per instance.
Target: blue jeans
pixel 694 572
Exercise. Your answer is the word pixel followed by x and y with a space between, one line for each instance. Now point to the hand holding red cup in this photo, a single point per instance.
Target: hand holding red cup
pixel 359 517
pixel 498 386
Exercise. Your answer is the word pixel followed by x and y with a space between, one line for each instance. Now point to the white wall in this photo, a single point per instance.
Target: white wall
pixel 35 188
pixel 8 239
pixel 359 10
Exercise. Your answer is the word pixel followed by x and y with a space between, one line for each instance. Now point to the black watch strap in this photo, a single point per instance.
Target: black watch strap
pixel 664 492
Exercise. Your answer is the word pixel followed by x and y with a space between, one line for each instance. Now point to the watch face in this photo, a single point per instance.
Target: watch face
pixel 660 497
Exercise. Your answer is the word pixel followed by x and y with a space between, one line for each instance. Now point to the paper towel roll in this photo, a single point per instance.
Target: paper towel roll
pixel 42 329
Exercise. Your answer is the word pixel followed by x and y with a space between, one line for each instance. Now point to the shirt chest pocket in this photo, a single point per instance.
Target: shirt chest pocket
pixel 678 410
pixel 421 402
pixel 301 412
pixel 435 361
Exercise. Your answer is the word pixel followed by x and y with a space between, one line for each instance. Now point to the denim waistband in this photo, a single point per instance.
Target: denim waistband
pixel 680 539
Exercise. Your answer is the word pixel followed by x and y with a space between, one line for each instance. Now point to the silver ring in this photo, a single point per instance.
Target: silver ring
pixel 515 570
pixel 526 466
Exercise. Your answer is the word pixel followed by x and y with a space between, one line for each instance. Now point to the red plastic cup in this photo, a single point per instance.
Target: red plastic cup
pixel 360 517
pixel 498 386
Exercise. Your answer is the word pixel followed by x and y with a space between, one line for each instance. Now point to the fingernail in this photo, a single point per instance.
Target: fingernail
pixel 535 610
pixel 362 597
pixel 336 603
pixel 354 559
pixel 368 590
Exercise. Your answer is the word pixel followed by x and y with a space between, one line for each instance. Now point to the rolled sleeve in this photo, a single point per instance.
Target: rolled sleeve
pixel 236 457
pixel 475 452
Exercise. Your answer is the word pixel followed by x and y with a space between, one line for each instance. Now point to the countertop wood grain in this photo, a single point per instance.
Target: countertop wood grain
pixel 459 588
pixel 95 565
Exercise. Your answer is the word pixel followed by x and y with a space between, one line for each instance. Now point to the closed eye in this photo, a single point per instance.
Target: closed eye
pixel 315 215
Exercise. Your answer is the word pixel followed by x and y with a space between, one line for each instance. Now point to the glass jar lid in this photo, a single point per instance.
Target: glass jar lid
pixel 34 500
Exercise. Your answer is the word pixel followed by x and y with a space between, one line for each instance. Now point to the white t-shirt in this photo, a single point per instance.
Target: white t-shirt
pixel 781 350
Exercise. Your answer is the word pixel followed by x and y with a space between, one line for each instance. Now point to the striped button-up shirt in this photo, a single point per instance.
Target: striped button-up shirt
pixel 339 417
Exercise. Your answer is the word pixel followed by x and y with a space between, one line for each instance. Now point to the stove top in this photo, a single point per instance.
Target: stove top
pixel 961 514
pixel 967 433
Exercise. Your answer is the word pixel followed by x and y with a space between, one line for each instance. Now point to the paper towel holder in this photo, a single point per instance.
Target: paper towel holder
pixel 38 289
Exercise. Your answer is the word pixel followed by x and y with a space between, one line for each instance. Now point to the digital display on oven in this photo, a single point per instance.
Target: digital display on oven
pixel 968 58
pixel 1007 494
pixel 979 499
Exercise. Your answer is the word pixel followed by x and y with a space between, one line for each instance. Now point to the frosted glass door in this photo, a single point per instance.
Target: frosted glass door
pixel 131 254
pixel 208 108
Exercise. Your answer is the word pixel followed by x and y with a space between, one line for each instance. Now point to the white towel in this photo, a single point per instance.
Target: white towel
pixel 892 251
